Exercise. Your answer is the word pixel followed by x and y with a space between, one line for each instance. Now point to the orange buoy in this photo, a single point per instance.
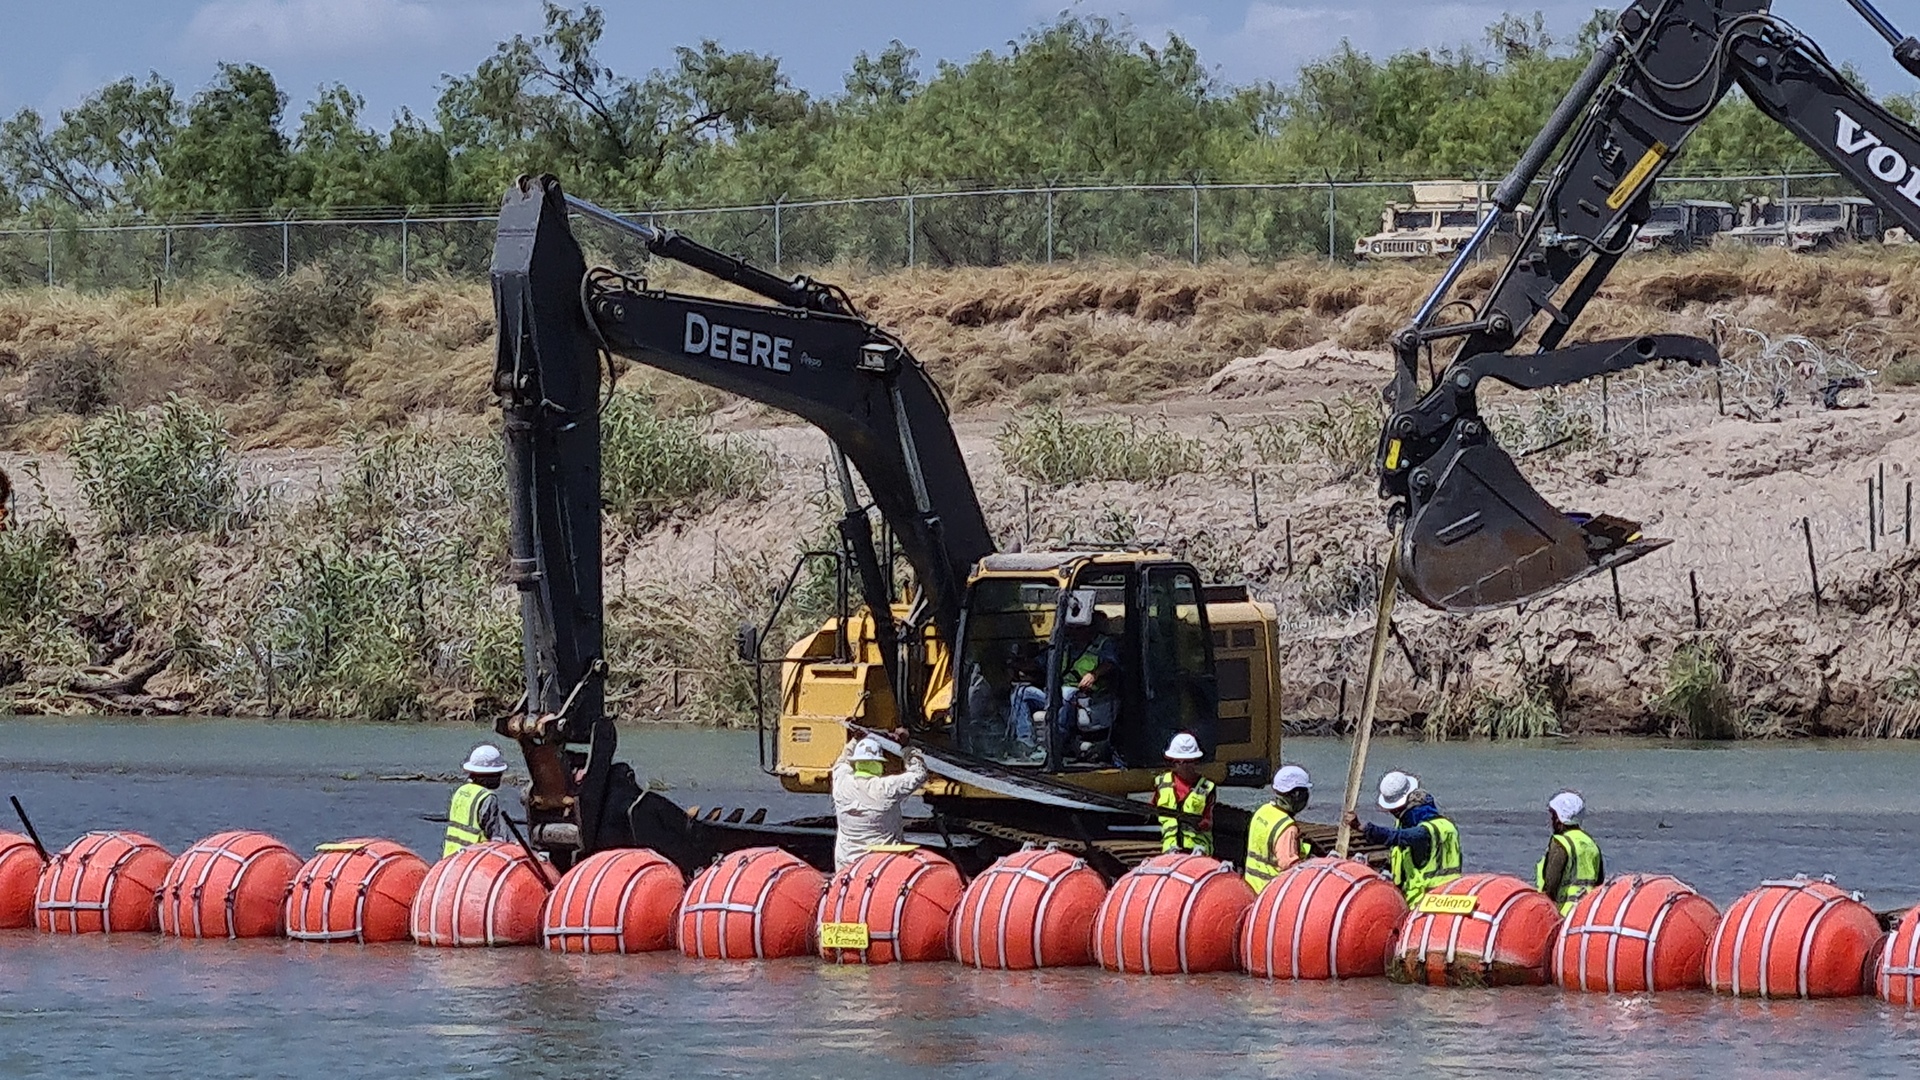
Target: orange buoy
pixel 1896 975
pixel 1636 934
pixel 104 882
pixel 355 890
pixel 754 904
pixel 19 874
pixel 619 901
pixel 483 895
pixel 1800 938
pixel 1322 919
pixel 231 885
pixel 1172 913
pixel 1031 909
pixel 1497 931
pixel 889 906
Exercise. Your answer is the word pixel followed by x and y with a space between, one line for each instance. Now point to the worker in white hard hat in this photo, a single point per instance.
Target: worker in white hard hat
pixel 475 813
pixel 1273 837
pixel 867 800
pixel 1573 865
pixel 1423 846
pixel 1181 788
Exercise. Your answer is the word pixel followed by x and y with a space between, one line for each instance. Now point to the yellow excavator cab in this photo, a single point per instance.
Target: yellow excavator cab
pixel 1185 656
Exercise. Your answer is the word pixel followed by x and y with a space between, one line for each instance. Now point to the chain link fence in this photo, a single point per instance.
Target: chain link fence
pixel 1179 222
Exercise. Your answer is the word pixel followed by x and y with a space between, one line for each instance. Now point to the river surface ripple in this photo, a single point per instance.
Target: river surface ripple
pixel 1722 818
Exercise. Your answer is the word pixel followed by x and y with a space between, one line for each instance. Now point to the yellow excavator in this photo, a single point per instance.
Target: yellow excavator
pixel 974 660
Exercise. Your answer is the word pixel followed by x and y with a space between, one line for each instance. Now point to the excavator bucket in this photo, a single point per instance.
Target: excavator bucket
pixel 1486 539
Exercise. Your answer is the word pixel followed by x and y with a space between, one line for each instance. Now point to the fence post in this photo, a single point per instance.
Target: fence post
pixel 776 231
pixel 909 230
pixel 1333 210
pixel 1196 224
pixel 49 256
pixel 167 258
pixel 1049 223
pixel 286 248
pixel 403 245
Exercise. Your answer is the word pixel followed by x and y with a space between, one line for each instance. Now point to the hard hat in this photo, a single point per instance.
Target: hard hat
pixel 868 749
pixel 1396 788
pixel 1184 747
pixel 485 760
pixel 1290 777
pixel 1567 807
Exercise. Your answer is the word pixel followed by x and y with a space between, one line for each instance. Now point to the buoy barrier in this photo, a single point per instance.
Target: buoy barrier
pixel 231 885
pixel 488 894
pixel 20 866
pixel 104 882
pixel 359 890
pixel 1031 909
pixel 1477 930
pixel 889 906
pixel 1635 934
pixel 617 901
pixel 1798 938
pixel 753 904
pixel 1323 918
pixel 1172 914
pixel 1896 975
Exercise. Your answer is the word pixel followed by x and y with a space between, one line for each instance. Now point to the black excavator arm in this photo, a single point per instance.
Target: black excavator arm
pixel 1477 534
pixel 810 354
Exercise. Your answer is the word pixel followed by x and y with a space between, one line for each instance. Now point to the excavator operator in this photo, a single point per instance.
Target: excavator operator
pixel 1089 666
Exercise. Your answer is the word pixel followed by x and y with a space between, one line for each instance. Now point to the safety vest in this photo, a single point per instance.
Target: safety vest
pixel 1442 865
pixel 1583 868
pixel 1176 835
pixel 463 818
pixel 1084 665
pixel 1268 823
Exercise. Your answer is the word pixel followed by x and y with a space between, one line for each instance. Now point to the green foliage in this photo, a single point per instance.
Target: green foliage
pixel 1078 98
pixel 1549 424
pixel 651 465
pixel 1697 700
pixel 142 474
pixel 1046 446
pixel 37 576
pixel 78 379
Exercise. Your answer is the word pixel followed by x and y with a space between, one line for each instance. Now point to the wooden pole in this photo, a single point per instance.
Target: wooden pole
pixel 1289 547
pixel 1693 584
pixel 1872 540
pixel 1370 701
pixel 1619 605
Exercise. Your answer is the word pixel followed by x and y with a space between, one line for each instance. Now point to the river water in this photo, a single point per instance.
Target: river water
pixel 1722 818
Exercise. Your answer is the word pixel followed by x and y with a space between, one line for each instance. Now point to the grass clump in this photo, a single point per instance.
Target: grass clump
pixel 148 474
pixel 1046 446
pixel 78 379
pixel 1551 425
pixel 652 465
pixel 1528 712
pixel 311 322
pixel 1697 700
pixel 1344 434
pixel 36 578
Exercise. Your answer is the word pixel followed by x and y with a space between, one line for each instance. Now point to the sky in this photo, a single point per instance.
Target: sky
pixel 396 52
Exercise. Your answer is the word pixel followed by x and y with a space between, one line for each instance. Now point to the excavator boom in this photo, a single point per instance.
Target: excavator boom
pixel 1478 535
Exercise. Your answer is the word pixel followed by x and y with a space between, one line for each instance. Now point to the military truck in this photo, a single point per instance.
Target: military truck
pixel 1438 222
pixel 1684 225
pixel 1806 223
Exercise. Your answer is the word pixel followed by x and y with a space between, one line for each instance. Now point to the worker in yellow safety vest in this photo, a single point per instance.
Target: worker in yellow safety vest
pixel 1182 788
pixel 1273 838
pixel 1423 847
pixel 475 813
pixel 1573 865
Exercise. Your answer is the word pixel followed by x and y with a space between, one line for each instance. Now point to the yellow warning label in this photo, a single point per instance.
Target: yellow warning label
pixel 843 935
pixel 1393 455
pixel 1636 176
pixel 894 849
pixel 342 845
pixel 1441 904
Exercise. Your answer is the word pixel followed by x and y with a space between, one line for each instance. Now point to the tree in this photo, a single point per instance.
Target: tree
pixel 103 155
pixel 231 155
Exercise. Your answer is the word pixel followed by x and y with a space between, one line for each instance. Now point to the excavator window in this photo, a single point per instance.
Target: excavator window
pixel 1179 685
